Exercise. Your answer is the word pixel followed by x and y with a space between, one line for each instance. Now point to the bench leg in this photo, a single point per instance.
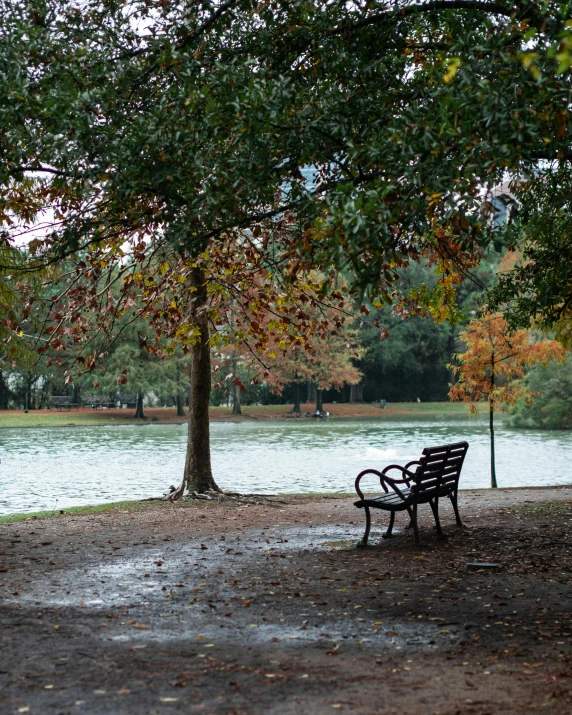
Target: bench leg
pixel 435 509
pixel 453 498
pixel 413 516
pixel 387 534
pixel 363 542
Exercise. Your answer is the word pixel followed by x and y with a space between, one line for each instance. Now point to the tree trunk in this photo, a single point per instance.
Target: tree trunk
pixel 319 404
pixel 235 392
pixel 179 400
pixel 4 393
pixel 29 402
pixel 491 426
pixel 451 351
pixel 492 431
pixel 313 397
pixel 353 394
pixel 198 475
pixel 297 410
pixel 139 409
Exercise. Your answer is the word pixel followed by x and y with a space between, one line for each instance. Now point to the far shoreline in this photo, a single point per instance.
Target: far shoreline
pixel 85 417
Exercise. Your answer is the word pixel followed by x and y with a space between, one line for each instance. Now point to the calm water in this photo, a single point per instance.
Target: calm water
pixel 52 468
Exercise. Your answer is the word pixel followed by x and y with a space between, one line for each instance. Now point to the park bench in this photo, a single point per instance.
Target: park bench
pixel 129 400
pixel 435 475
pixel 97 401
pixel 62 402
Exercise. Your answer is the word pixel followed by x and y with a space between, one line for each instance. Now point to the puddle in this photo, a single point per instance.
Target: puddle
pixel 375 538
pixel 398 635
pixel 344 544
pixel 201 598
pixel 144 576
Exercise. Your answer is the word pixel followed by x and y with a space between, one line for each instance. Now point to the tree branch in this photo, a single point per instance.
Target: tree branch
pixel 476 5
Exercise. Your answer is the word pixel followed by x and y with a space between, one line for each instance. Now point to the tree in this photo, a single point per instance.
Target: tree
pixel 145 303
pixel 495 360
pixel 538 285
pixel 130 367
pixel 14 342
pixel 550 406
pixel 325 360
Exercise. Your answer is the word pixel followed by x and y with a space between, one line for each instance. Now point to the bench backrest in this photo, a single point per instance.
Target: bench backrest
pixel 439 470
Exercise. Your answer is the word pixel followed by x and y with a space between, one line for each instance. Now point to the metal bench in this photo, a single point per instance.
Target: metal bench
pixel 98 401
pixel 62 402
pixel 436 475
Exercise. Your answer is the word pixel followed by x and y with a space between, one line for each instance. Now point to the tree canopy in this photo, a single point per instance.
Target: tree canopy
pixel 377 126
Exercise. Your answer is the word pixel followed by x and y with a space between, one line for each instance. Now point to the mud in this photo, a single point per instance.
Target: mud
pixel 219 608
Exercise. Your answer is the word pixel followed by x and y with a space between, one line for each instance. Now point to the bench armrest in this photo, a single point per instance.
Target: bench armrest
pixel 403 470
pixel 362 474
pixel 383 480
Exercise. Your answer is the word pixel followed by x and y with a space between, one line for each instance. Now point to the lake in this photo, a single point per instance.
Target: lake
pixel 54 468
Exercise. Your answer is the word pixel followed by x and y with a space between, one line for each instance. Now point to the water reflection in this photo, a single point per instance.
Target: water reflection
pixel 53 468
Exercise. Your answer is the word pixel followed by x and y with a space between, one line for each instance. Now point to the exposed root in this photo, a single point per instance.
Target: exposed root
pixel 234 498
pixel 219 496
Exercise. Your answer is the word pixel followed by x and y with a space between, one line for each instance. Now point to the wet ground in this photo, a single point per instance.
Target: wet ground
pixel 271 609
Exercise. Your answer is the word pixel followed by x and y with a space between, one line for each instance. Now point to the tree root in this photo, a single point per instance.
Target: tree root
pixel 219 496
pixel 234 498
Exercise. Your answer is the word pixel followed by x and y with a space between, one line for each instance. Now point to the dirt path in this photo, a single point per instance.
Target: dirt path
pixel 266 609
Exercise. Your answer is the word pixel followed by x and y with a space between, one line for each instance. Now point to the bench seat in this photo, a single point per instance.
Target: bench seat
pixel 388 502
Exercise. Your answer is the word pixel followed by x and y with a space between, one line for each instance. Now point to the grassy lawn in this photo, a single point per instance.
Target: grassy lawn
pixel 52 418
pixel 167 415
pixel 122 507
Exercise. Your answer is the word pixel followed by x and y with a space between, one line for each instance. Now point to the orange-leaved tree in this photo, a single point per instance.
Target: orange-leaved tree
pixel 323 355
pixel 495 360
pixel 325 361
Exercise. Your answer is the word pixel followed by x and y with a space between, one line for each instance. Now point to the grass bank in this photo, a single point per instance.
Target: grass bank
pixel 119 506
pixel 167 415
pixel 122 507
